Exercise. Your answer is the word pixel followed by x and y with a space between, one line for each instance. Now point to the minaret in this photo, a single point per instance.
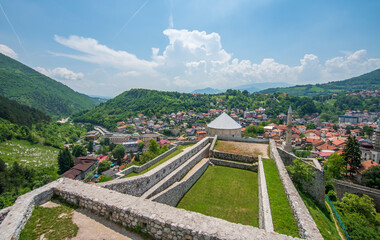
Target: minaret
pixel 289 126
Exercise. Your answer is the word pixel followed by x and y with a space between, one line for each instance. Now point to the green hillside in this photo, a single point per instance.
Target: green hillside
pixel 20 114
pixel 29 87
pixel 368 81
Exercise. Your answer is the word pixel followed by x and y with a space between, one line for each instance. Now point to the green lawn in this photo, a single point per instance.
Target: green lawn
pixel 53 223
pixel 282 214
pixel 322 217
pixel 34 155
pixel 175 153
pixel 226 193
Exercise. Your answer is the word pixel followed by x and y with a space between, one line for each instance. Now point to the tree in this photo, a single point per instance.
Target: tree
pixel 140 145
pixel 79 151
pixel 106 141
pixel 335 166
pixel 352 155
pixel 311 125
pixel 90 146
pixel 300 172
pixel 118 152
pixel 372 177
pixel 153 146
pixel 3 176
pixel 104 166
pixel 65 160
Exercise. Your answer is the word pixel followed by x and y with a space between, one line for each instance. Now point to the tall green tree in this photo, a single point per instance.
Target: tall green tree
pixel 352 155
pixel 90 146
pixel 118 152
pixel 372 177
pixel 3 176
pixel 65 160
pixel 153 146
pixel 79 151
pixel 335 166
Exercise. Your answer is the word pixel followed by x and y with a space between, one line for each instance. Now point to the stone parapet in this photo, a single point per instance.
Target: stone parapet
pixel 243 139
pixel 3 213
pixel 158 220
pixel 225 163
pixel 265 215
pixel 306 225
pixel 233 157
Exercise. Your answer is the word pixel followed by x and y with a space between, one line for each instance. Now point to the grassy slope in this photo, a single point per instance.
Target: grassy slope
pixel 282 214
pixel 173 154
pixel 369 80
pixel 322 218
pixel 227 193
pixel 24 152
pixel 27 86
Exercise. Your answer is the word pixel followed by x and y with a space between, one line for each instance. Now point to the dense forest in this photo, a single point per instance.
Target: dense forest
pixel 368 81
pixel 20 114
pixel 152 102
pixel 27 86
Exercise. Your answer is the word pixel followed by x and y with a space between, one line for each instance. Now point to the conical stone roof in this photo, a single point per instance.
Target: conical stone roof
pixel 224 122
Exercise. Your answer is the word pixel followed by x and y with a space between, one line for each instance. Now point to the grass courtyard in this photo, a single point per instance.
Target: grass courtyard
pixel 33 155
pixel 226 193
pixel 173 154
pixel 282 214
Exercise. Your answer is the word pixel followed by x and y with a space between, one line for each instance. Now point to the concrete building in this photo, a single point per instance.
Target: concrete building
pixel 224 125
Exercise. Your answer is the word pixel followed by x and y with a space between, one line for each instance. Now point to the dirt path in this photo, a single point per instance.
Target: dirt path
pixel 94 227
pixel 335 221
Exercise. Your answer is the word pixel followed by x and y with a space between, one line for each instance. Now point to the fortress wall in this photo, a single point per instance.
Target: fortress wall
pixel 21 210
pixel 172 195
pixel 233 157
pixel 306 225
pixel 180 172
pixel 316 187
pixel 137 185
pixel 3 213
pixel 158 220
pixel 244 166
pixel 265 215
pixel 243 139
pixel 147 165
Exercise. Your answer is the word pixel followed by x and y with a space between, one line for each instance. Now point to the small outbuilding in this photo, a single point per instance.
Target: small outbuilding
pixel 224 125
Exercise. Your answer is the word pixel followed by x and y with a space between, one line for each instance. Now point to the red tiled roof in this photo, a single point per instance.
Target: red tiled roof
pixel 327 146
pixel 367 164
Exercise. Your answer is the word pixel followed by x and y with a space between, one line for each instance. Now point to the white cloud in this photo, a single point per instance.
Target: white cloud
pixel 60 73
pixel 196 59
pixel 8 51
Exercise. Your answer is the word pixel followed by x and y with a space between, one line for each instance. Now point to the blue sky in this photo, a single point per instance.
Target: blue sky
pixel 107 47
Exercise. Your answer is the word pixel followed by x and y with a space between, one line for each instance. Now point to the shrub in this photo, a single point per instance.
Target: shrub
pixel 300 172
pixel 332 195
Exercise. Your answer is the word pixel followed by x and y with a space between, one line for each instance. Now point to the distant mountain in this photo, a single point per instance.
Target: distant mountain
pixel 207 91
pixel 368 81
pixel 256 87
pixel 20 114
pixel 27 86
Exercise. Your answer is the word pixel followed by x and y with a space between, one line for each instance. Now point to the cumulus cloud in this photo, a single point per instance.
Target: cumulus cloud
pixel 60 73
pixel 195 59
pixel 7 51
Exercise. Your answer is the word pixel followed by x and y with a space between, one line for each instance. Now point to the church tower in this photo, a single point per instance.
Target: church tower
pixel 376 149
pixel 289 126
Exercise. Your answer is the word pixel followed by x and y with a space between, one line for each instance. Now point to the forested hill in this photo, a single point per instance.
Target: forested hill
pixel 368 81
pixel 27 86
pixel 20 114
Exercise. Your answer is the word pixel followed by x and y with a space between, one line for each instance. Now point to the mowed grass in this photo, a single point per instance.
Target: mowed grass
pixel 53 223
pixel 322 217
pixel 173 154
pixel 282 214
pixel 226 193
pixel 33 155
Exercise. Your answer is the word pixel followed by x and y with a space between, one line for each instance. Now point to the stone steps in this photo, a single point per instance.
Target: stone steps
pixel 177 174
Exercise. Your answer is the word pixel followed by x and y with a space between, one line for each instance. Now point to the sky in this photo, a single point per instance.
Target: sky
pixel 104 48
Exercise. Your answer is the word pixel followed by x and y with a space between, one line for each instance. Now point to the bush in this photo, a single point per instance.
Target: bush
pixel 332 195
pixel 300 172
pixel 104 178
pixel 104 166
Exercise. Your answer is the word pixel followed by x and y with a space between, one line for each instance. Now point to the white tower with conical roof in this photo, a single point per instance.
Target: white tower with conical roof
pixel 289 126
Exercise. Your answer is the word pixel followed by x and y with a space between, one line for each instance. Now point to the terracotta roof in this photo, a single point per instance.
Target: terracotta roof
pixel 338 143
pixel 367 164
pixel 327 146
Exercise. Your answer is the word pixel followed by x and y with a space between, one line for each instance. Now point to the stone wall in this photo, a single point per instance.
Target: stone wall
pixel 316 187
pixel 3 213
pixel 233 157
pixel 172 195
pixel 342 187
pixel 306 225
pixel 138 185
pixel 243 139
pixel 147 165
pixel 225 163
pixel 177 174
pixel 265 215
pixel 158 220
pixel 22 209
